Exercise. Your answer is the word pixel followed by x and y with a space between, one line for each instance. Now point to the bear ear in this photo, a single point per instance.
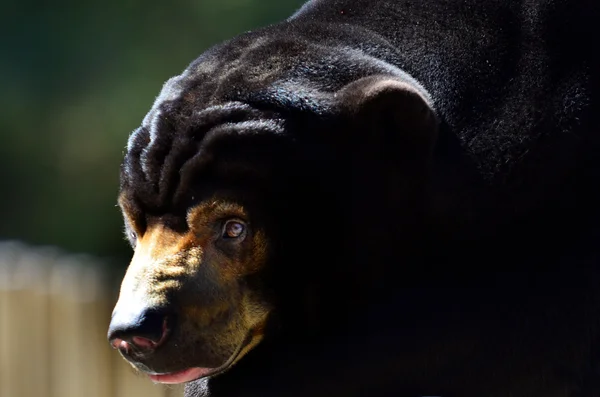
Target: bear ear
pixel 399 108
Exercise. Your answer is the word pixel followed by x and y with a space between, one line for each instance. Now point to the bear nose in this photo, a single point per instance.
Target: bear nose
pixel 144 329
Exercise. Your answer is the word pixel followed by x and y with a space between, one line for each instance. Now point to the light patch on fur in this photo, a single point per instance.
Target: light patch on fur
pixel 203 214
pixel 256 337
pixel 162 258
pixel 128 212
pixel 208 66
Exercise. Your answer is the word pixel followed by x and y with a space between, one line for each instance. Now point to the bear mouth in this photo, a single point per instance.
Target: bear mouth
pixel 195 373
pixel 187 375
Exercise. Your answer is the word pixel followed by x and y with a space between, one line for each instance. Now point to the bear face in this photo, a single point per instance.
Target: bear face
pixel 219 205
pixel 212 262
pixel 193 295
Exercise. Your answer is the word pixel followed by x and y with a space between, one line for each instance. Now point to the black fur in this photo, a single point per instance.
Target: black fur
pixel 471 273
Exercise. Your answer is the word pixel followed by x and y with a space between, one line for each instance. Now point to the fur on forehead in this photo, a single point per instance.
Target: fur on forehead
pixel 167 151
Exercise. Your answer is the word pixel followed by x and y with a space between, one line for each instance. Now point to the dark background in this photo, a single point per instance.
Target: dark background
pixel 76 78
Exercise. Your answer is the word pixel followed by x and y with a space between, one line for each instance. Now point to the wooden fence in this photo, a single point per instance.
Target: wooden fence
pixel 54 314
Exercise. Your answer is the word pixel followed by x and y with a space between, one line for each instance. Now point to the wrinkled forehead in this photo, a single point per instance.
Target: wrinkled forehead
pixel 182 154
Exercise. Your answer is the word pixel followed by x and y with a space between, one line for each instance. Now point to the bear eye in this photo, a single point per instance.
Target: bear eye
pixel 233 229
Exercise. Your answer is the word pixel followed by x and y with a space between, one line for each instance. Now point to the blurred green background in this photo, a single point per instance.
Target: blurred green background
pixel 76 78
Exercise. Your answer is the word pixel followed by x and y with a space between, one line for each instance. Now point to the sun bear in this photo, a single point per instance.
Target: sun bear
pixel 373 198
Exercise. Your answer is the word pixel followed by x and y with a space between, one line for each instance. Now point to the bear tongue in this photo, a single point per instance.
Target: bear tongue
pixel 186 375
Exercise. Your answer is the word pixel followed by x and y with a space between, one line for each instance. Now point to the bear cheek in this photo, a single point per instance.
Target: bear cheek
pixel 224 305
